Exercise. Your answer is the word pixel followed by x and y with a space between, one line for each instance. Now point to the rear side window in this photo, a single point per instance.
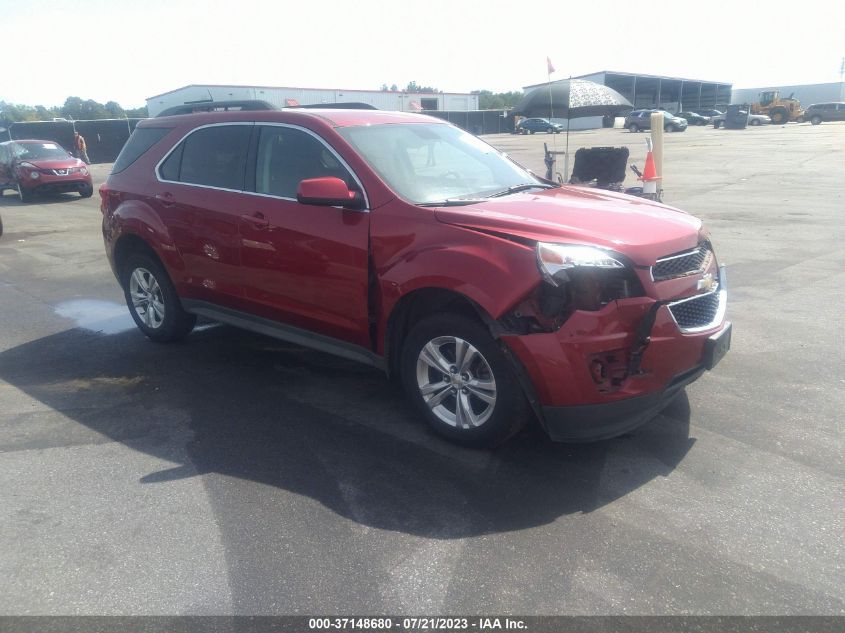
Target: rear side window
pixel 213 157
pixel 142 139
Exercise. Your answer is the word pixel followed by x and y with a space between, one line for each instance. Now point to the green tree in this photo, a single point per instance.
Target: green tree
pixel 488 100
pixel 138 113
pixel 114 110
pixel 414 87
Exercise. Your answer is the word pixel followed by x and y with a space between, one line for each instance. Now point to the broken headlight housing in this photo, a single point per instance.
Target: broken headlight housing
pixel 582 277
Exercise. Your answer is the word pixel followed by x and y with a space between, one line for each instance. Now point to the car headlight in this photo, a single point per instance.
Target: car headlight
pixel 581 277
pixel 83 171
pixel 553 258
pixel 34 175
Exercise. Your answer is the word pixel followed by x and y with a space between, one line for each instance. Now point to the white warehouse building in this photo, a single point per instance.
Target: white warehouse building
pixel 282 96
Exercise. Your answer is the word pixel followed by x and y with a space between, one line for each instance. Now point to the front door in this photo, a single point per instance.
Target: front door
pixel 304 265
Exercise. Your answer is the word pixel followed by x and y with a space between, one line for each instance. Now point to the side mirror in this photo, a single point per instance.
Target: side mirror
pixel 328 192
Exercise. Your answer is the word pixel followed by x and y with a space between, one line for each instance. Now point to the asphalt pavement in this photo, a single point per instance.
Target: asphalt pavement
pixel 235 474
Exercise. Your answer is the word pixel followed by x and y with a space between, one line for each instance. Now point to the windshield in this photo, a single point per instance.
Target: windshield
pixel 39 151
pixel 427 163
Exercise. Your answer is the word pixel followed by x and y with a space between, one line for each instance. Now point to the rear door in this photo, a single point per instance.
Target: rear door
pixel 304 265
pixel 200 199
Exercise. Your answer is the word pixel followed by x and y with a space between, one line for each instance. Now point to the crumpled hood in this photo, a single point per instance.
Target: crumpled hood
pixel 641 229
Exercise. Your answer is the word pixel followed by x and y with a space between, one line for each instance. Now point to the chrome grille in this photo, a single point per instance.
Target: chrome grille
pixel 682 264
pixel 700 312
pixel 61 172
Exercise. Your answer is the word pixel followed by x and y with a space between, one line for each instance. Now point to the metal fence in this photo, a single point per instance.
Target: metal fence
pixel 104 137
pixel 477 121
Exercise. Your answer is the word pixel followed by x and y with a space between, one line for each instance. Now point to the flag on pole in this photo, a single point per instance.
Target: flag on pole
pixel 551 68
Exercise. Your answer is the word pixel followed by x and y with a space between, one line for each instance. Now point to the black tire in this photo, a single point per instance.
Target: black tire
pixel 633 128
pixel 754 122
pixel 497 421
pixel 815 120
pixel 531 131
pixel 550 130
pixel 175 323
pixel 779 116
pixel 716 124
pixel 87 191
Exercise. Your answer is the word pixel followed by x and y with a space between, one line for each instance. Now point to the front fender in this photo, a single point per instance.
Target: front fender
pixel 493 272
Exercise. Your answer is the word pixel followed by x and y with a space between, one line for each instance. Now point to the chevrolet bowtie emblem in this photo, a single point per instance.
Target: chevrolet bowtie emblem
pixel 707 283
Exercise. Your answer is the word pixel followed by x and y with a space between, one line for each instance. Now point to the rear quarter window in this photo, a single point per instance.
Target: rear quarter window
pixel 142 139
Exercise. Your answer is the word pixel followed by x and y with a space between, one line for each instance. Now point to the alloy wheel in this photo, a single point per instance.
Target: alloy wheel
pixel 456 382
pixel 147 298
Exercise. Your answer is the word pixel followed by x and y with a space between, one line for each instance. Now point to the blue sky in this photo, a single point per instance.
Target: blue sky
pixel 127 51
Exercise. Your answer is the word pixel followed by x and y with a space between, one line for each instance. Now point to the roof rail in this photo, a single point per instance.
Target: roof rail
pixel 217 106
pixel 350 105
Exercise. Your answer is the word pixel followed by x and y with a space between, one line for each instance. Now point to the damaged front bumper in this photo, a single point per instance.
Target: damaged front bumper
pixel 604 373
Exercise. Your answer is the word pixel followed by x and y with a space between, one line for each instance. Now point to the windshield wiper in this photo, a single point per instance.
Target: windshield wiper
pixel 522 187
pixel 451 202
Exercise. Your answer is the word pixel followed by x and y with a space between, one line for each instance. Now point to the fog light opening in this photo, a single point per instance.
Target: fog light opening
pixel 598 370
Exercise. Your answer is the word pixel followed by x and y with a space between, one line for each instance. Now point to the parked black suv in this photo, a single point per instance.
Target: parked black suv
pixel 818 112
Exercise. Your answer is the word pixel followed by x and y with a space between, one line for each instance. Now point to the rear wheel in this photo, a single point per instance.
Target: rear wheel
pixel 460 381
pixel 755 121
pixel 815 120
pixel 633 127
pixel 152 300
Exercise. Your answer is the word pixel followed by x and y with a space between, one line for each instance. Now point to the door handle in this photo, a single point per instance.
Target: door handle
pixel 257 220
pixel 166 199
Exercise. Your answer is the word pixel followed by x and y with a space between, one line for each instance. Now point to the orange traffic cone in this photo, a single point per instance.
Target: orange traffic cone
pixel 649 176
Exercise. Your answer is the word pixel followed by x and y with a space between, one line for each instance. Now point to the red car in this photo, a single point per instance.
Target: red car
pixel 33 167
pixel 406 243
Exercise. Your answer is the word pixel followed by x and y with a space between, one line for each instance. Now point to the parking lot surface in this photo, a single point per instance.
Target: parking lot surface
pixel 233 473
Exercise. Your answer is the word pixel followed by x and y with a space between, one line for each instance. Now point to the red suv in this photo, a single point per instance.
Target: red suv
pixel 33 167
pixel 403 242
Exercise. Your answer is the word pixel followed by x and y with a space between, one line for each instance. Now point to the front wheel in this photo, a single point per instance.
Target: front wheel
pixel 779 116
pixel 633 128
pixel 86 191
pixel 755 121
pixel 152 300
pixel 461 382
pixel 816 120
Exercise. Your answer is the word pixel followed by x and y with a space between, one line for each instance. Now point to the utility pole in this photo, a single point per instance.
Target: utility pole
pixel 842 70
